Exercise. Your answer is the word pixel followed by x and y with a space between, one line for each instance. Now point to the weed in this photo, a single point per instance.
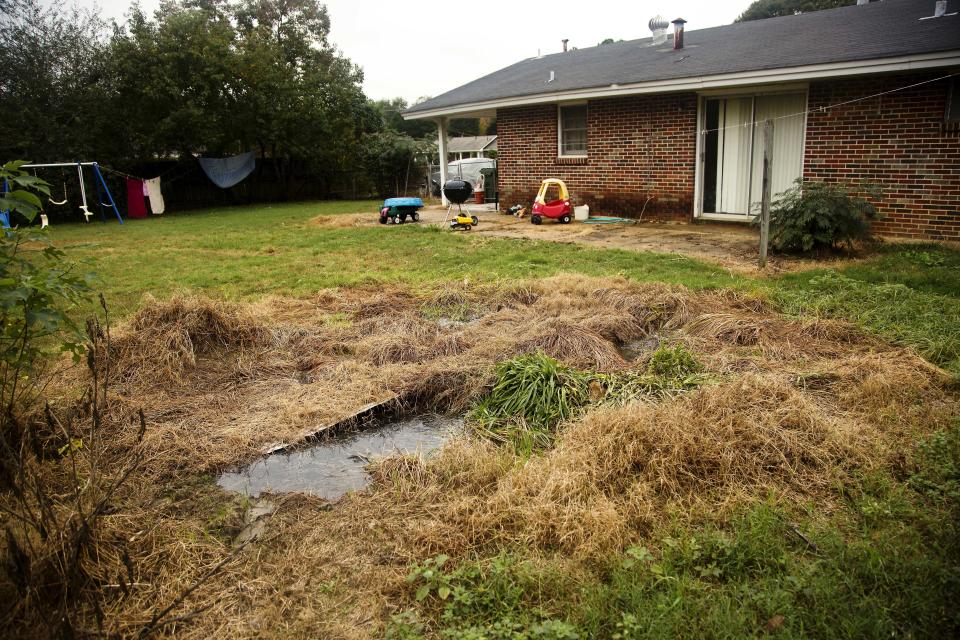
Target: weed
pixel 676 363
pixel 533 393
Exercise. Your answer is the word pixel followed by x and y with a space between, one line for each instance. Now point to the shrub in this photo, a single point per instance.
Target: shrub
pixel 813 215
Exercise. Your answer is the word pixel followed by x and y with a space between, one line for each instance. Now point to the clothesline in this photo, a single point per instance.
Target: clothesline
pixel 827 107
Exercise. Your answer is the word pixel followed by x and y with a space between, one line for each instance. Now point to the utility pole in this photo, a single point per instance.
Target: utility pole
pixel 765 196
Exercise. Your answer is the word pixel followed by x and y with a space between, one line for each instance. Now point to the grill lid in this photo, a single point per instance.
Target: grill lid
pixel 457 191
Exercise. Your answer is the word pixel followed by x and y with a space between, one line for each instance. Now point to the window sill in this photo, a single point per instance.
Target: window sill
pixel 572 160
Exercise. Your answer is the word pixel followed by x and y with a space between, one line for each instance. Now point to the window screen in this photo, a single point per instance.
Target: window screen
pixel 573 130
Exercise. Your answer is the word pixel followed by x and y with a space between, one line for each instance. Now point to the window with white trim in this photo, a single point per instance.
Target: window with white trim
pixel 573 130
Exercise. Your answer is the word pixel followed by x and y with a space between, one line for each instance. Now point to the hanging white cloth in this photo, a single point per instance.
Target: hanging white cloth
pixel 154 194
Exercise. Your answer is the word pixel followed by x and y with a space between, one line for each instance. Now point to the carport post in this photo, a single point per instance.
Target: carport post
pixel 442 148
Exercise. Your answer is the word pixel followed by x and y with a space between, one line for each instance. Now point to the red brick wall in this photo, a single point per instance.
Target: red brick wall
pixel 645 146
pixel 896 141
pixel 636 148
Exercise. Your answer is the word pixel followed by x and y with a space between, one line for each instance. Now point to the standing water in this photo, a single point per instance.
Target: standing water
pixel 336 465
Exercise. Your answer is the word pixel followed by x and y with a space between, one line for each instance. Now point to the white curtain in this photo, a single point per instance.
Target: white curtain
pixel 786 111
pixel 735 136
pixel 740 149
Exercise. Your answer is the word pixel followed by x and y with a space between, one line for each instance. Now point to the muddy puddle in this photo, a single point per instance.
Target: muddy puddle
pixel 335 465
pixel 638 349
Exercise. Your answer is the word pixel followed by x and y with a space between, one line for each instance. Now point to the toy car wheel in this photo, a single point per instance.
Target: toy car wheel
pixel 467 227
pixel 536 219
pixel 475 220
pixel 402 217
pixel 383 220
pixel 565 219
pixel 416 216
pixel 397 220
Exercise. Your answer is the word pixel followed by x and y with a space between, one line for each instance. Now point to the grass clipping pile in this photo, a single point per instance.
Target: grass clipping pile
pixel 793 408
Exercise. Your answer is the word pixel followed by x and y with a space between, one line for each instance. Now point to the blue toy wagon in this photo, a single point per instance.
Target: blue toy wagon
pixel 397 210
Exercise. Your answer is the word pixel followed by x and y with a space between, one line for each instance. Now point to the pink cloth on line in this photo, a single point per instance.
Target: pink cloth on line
pixel 136 204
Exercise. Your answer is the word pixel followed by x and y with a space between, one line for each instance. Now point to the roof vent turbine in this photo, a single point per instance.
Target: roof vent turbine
pixel 658 26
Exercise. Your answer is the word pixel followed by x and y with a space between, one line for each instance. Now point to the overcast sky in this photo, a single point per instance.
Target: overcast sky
pixel 413 49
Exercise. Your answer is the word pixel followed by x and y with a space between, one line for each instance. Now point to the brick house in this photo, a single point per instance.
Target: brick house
pixel 671 126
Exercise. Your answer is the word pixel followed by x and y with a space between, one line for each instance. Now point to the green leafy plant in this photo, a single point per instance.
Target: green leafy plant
pixel 430 578
pixel 533 393
pixel 674 362
pixel 533 390
pixel 815 215
pixel 38 291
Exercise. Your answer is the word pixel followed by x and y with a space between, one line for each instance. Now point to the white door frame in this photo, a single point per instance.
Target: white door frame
pixel 701 125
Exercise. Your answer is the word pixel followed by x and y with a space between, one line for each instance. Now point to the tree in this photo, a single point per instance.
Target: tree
pixel 52 82
pixel 761 9
pixel 390 111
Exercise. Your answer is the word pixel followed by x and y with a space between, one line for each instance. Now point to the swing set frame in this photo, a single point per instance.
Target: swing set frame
pixel 98 181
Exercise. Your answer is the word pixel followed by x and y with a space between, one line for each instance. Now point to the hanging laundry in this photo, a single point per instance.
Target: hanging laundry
pixel 136 205
pixel 226 172
pixel 155 195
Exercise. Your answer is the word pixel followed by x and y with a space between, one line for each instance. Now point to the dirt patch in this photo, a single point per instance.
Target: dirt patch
pixel 793 410
pixel 733 246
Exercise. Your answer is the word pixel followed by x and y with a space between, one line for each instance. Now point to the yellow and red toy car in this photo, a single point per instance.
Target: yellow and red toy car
pixel 559 209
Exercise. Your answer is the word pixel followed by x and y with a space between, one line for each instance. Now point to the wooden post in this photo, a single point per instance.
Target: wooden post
pixel 765 195
pixel 442 149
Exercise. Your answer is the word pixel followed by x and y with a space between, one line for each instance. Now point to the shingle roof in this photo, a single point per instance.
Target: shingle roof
pixel 463 144
pixel 878 30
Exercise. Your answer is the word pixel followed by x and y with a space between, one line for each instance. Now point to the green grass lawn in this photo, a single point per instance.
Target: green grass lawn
pixel 909 294
pixel 246 252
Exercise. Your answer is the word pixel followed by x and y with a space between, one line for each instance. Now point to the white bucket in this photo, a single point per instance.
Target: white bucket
pixel 581 213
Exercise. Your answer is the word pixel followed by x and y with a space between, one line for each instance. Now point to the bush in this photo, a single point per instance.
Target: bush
pixel 815 215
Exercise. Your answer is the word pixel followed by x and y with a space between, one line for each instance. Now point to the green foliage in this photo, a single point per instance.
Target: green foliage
pixel 390 111
pixel 38 291
pixel 533 393
pixel 760 9
pixel 430 578
pixel 195 77
pixel 814 215
pixel 770 568
pixel 394 161
pixel 538 389
pixel 928 322
pixel 17 195
pixel 496 599
pixel 938 476
pixel 54 102
pixel 675 362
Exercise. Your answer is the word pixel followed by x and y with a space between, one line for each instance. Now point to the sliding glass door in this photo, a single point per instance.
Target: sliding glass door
pixel 732 158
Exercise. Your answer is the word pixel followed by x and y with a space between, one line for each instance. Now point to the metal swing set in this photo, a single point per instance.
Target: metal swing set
pixel 98 181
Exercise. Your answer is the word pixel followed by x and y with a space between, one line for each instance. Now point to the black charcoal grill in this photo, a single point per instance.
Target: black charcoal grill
pixel 457 191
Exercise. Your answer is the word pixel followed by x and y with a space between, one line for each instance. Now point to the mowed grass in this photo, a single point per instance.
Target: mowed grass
pixel 247 252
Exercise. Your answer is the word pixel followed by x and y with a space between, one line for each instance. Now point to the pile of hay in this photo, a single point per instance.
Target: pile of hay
pixel 795 409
